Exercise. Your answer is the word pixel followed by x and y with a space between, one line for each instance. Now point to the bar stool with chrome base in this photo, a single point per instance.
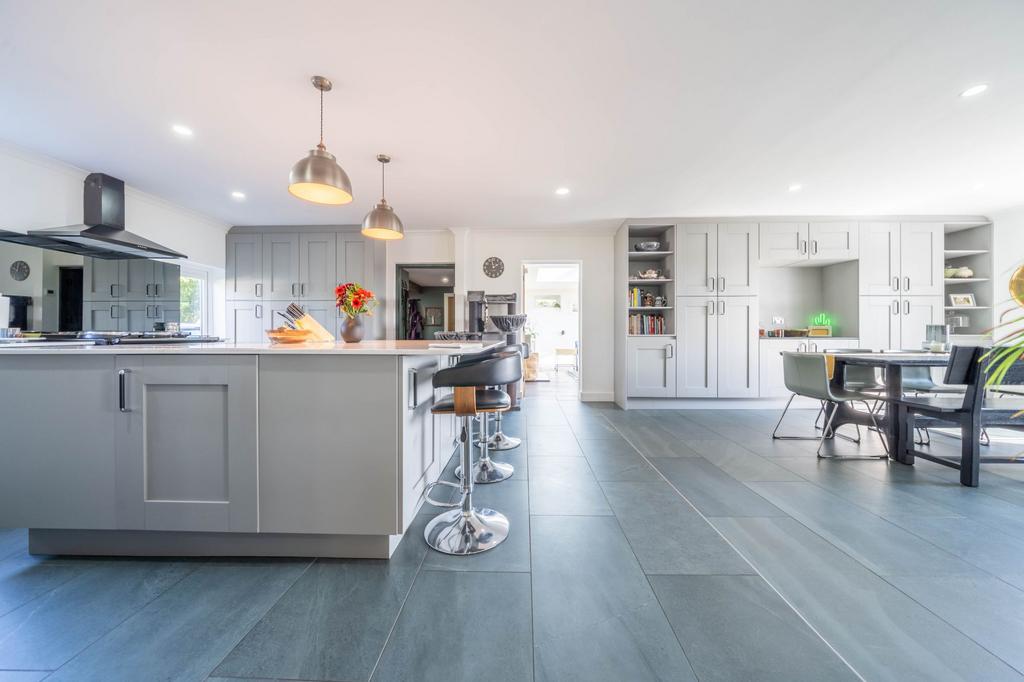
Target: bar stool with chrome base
pixel 466 529
pixel 486 470
pixel 499 440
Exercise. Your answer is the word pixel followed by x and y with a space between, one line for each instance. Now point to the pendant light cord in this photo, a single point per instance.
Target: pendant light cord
pixel 382 164
pixel 321 119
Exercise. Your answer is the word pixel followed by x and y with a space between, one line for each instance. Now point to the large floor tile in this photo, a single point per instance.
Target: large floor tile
pixel 616 445
pixel 713 491
pixel 13 541
pixel 462 626
pixel 738 628
pixel 333 622
pixel 565 486
pixel 879 630
pixel 647 436
pixel 740 463
pixel 595 615
pixel 511 498
pixel 48 631
pixel 880 545
pixel 667 535
pixel 624 467
pixel 25 578
pixel 184 633
pixel 22 675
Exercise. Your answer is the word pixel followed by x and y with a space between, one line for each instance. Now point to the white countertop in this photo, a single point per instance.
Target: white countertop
pixel 805 338
pixel 382 347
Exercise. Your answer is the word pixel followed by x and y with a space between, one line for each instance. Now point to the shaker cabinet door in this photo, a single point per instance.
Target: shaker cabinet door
pixel 186 443
pixel 782 243
pixel 737 347
pixel 317 265
pixel 880 322
pixel 916 313
pixel 243 277
pixel 351 260
pixel 245 321
pixel 921 257
pixel 696 258
pixel 101 279
pixel 879 268
pixel 833 241
pixel 697 339
pixel 281 266
pixel 651 367
pixel 737 259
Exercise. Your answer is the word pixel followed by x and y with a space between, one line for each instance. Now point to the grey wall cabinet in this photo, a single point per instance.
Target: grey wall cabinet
pixel 200 478
pixel 717 343
pixel 100 316
pixel 245 321
pixel 317 265
pixel 737 347
pixel 815 243
pixel 281 266
pixel 58 472
pixel 244 267
pixel 133 279
pixel 898 322
pixel 716 259
pixel 902 258
pixel 351 258
pixel 101 279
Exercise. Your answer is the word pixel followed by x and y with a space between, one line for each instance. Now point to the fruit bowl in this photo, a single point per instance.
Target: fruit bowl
pixel 509 323
pixel 286 335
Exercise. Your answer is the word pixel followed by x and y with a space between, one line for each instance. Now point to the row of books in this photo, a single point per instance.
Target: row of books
pixel 642 324
pixel 636 295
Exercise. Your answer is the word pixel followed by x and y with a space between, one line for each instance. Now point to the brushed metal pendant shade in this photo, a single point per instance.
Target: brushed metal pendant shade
pixel 382 222
pixel 317 177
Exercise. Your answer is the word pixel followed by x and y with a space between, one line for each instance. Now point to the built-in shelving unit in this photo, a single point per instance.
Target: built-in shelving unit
pixel 657 316
pixel 648 255
pixel 969 245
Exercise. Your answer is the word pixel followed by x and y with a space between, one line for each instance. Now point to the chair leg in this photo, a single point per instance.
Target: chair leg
pixel 984 439
pixel 466 530
pixel 775 431
pixel 824 433
pixel 874 423
pixel 970 457
pixel 821 411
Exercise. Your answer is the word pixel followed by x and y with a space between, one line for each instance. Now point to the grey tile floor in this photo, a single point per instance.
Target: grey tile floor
pixel 645 545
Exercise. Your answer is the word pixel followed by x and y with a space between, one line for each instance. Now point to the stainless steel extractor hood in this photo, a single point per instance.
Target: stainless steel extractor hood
pixel 103 234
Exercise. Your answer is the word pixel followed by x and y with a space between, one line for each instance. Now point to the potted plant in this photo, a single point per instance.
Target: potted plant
pixel 1008 348
pixel 353 300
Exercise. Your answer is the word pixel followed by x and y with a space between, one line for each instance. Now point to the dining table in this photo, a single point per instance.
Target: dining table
pixel 891 363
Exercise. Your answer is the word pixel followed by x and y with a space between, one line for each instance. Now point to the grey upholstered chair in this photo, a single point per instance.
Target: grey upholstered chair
pixel 806 374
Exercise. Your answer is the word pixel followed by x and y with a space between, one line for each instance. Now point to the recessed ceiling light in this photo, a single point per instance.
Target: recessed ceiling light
pixel 795 187
pixel 184 131
pixel 445 280
pixel 979 185
pixel 562 191
pixel 974 90
pixel 238 196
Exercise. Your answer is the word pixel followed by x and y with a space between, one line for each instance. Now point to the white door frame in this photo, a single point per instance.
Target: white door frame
pixel 579 302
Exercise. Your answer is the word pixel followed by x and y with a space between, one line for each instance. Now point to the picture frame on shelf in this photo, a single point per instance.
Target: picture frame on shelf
pixel 965 300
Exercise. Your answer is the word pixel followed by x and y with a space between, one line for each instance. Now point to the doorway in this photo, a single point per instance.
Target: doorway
pixel 424 301
pixel 551 301
pixel 69 299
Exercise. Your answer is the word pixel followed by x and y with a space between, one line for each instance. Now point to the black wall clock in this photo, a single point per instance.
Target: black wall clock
pixel 493 267
pixel 20 270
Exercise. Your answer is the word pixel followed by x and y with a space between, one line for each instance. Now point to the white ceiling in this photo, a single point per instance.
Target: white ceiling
pixel 652 108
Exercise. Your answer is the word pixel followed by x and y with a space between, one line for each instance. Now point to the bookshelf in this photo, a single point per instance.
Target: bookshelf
pixel 649 300
pixel 970 245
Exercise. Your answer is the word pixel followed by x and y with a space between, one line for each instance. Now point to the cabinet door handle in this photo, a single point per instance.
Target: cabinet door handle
pixel 113 294
pixel 895 283
pixel 814 247
pixel 721 306
pixel 156 289
pixel 721 284
pixel 259 291
pixel 413 383
pixel 148 286
pixel 711 283
pixel 801 347
pixel 259 312
pixel 711 308
pixel 669 351
pixel 122 390
pixel 906 284
pixel 302 289
pixel 803 246
pixel 895 307
pixel 906 307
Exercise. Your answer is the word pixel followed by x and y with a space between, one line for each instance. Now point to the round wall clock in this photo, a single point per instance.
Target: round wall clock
pixel 493 267
pixel 20 270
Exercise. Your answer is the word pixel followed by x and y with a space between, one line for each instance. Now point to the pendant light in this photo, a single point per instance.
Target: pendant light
pixel 317 177
pixel 381 222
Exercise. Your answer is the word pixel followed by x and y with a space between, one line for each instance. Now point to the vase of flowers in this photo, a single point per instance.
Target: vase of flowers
pixel 355 301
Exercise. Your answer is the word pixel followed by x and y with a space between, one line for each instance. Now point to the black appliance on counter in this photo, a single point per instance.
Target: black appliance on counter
pixel 21 312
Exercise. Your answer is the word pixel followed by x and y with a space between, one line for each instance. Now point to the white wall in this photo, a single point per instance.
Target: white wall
pixel 36 191
pixel 426 247
pixel 1008 247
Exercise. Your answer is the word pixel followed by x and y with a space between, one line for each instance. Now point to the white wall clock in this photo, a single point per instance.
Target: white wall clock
pixel 493 267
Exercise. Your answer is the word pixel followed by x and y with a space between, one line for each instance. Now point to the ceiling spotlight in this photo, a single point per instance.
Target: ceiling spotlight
pixel 183 131
pixel 974 90
pixel 238 196
pixel 795 187
pixel 562 191
pixel 444 280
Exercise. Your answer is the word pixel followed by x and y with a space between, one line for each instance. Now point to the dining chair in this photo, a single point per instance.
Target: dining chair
pixel 807 374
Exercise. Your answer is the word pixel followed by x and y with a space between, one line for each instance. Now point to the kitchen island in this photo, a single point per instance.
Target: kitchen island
pixel 220 449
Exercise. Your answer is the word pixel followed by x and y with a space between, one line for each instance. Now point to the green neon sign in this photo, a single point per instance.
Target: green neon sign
pixel 822 320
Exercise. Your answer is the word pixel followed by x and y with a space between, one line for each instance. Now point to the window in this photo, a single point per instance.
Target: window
pixel 193 299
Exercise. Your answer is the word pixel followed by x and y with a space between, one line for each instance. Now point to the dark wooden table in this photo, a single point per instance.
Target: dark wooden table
pixel 892 365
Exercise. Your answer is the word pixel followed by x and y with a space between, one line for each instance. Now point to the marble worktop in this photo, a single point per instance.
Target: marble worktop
pixel 379 347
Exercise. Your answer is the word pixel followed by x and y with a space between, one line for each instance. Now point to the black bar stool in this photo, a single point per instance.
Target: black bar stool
pixel 499 440
pixel 466 529
pixel 486 470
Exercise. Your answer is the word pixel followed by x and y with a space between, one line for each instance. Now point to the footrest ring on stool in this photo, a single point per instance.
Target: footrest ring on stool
pixel 435 503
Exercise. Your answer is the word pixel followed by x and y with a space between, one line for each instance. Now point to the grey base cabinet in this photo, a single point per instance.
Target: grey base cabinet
pixel 186 443
pixel 651 367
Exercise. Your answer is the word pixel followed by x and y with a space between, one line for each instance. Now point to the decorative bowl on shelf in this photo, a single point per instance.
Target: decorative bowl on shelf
pixel 286 335
pixel 650 273
pixel 647 246
pixel 509 323
pixel 949 272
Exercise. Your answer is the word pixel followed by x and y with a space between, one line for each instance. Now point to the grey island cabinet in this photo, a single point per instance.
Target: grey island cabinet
pixel 219 449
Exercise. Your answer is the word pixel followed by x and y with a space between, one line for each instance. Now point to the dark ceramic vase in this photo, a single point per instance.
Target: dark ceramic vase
pixel 352 329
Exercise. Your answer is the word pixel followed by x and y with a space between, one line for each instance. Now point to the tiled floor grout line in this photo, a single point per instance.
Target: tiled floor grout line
pixel 264 615
pixel 394 624
pixel 128 617
pixel 744 557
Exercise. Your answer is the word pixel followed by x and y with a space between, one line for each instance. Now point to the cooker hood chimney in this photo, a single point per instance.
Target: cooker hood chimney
pixel 103 234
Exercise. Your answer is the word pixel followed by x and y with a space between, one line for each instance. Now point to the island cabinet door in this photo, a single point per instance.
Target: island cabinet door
pixel 420 458
pixel 186 443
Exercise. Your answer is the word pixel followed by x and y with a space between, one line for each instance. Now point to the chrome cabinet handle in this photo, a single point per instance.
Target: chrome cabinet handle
pixel 801 347
pixel 259 312
pixel 721 306
pixel 721 283
pixel 895 307
pixel 413 398
pixel 302 289
pixel 147 290
pixel 711 308
pixel 122 390
pixel 711 283
pixel 156 288
pixel 895 283
pixel 803 246
pixel 906 284
pixel 906 307
pixel 259 291
pixel 669 351
pixel 814 250
pixel 293 288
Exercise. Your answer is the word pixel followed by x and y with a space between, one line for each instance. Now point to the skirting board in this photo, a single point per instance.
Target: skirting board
pixel 597 396
pixel 182 544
